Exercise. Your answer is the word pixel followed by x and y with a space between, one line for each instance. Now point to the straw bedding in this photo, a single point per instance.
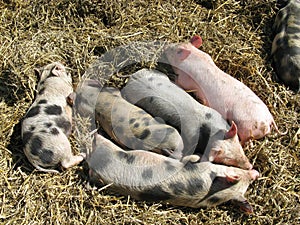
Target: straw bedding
pixel 238 36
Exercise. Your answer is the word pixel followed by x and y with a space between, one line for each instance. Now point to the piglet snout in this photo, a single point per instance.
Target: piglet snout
pixel 249 166
pixel 254 174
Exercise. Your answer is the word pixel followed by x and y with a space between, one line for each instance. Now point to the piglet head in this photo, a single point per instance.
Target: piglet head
pixel 242 178
pixel 226 149
pixel 231 183
pixel 55 69
pixel 176 53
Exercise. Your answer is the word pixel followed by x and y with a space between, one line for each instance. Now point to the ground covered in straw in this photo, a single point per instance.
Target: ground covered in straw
pixel 237 34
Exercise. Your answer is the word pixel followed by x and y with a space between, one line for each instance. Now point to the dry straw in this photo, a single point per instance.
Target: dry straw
pixel 238 36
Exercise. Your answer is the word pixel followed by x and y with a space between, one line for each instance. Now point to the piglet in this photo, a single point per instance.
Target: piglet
pixel 203 129
pixel 153 177
pixel 231 98
pixel 125 123
pixel 47 124
pixel 286 45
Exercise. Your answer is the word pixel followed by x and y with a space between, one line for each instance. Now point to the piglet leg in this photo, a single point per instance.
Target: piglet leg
pixel 73 161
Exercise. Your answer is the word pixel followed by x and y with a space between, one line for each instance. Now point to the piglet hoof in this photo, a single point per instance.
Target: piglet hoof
pixel 46 170
pixel 191 158
pixel 83 155
pixel 73 161
pixel 245 207
pixel 70 99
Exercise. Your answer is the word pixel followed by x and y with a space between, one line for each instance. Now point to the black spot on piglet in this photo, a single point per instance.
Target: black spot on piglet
pixel 53 110
pixel 169 166
pixel 48 124
pixel 46 156
pixel 129 158
pixel 189 166
pixel 214 200
pixel 42 91
pixel 33 111
pixel 54 131
pixel 26 136
pixel 64 124
pixel 36 145
pixel 42 101
pixel 177 187
pixel 147 174
pixel 194 185
pixel 219 184
pixel 144 134
pixel 208 115
pixel 155 194
pixel 131 121
pixel 204 137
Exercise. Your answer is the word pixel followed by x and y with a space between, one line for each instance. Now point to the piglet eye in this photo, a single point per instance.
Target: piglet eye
pixel 179 51
pixel 51 72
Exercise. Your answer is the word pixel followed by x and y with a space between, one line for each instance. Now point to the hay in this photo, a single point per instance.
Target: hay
pixel 238 36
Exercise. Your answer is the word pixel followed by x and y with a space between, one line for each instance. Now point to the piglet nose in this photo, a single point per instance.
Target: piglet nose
pixel 250 166
pixel 254 174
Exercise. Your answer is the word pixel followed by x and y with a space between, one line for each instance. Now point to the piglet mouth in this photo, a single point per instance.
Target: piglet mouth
pixel 244 206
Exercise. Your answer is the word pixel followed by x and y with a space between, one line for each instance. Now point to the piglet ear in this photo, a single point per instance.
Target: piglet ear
pixel 196 41
pixel 183 53
pixel 71 99
pixel 38 72
pixel 232 179
pixel 92 83
pixel 58 71
pixel 216 155
pixel 232 131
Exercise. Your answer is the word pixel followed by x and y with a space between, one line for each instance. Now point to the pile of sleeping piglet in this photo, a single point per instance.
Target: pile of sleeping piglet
pixel 164 144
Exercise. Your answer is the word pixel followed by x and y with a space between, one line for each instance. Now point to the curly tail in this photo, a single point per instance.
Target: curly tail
pixel 273 124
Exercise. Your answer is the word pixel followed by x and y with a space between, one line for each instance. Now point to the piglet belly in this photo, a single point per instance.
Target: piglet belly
pixel 215 93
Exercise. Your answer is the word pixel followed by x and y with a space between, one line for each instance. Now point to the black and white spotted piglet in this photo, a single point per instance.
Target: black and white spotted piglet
pixel 47 124
pixel 153 177
pixel 286 45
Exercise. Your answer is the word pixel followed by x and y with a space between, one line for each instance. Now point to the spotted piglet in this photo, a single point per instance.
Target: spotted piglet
pixel 203 129
pixel 47 124
pixel 153 177
pixel 127 124
pixel 286 45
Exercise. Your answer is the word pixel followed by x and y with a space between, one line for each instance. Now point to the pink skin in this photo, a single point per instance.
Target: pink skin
pixel 214 88
pixel 229 152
